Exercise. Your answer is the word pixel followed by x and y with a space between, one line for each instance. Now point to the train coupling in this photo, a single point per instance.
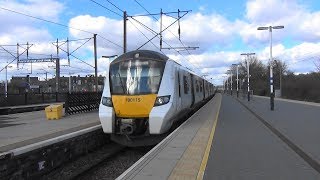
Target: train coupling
pixel 127 126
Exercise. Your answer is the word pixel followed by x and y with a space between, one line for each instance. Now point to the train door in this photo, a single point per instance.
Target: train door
pixel 178 87
pixel 192 89
pixel 185 89
pixel 203 89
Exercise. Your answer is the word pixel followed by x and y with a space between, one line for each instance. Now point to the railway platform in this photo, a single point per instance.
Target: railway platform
pixel 253 142
pixel 6 110
pixel 179 155
pixel 31 145
pixel 231 138
pixel 18 130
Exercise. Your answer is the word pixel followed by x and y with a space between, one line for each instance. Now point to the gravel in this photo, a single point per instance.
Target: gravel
pixel 108 162
pixel 113 167
pixel 84 163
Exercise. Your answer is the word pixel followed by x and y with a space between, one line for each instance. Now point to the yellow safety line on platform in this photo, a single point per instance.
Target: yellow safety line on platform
pixel 208 148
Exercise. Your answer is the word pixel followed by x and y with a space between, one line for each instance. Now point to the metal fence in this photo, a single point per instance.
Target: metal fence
pixel 82 102
pixel 31 98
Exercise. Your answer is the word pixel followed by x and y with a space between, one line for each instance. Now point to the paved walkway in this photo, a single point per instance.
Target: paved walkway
pixel 17 130
pixel 180 155
pixel 299 121
pixel 249 142
pixel 245 148
pixel 31 105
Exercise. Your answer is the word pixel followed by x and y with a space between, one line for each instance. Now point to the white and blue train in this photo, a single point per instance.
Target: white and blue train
pixel 145 93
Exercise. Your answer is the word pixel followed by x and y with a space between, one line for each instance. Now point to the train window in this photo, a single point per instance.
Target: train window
pixel 136 76
pixel 200 87
pixel 185 84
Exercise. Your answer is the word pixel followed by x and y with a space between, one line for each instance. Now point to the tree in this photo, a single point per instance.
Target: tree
pixel 233 69
pixel 280 68
pixel 258 75
pixel 304 87
pixel 317 64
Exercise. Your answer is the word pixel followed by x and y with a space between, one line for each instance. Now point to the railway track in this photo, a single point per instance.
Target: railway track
pixel 114 166
pixel 107 162
pixel 83 164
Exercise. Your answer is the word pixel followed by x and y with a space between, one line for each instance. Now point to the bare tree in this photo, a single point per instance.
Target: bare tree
pixel 317 64
pixel 258 75
pixel 280 68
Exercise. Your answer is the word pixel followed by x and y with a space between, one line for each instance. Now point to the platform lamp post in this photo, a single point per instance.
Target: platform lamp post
pixel 109 57
pixel 237 66
pixel 248 71
pixel 231 81
pixel 271 68
pixel 224 84
pixel 227 83
pixel 6 82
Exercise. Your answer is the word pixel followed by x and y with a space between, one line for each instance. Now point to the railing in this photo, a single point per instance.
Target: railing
pixel 31 98
pixel 82 102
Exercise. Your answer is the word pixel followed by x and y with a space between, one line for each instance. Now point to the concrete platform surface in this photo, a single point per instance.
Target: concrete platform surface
pixel 17 130
pixel 234 142
pixel 299 121
pixel 244 148
pixel 31 105
pixel 180 155
pixel 25 108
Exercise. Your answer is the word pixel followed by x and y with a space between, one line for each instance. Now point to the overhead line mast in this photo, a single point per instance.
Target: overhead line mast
pixel 179 38
pixel 124 31
pixel 163 29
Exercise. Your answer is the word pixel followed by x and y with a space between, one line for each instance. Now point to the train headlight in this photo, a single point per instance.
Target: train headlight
pixel 161 100
pixel 107 101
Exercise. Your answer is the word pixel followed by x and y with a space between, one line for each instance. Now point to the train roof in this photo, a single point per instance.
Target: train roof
pixel 148 54
pixel 143 54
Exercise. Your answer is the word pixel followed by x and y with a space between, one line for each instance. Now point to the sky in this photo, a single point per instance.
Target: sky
pixel 222 30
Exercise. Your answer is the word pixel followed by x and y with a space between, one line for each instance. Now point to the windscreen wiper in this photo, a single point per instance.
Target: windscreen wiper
pixel 123 88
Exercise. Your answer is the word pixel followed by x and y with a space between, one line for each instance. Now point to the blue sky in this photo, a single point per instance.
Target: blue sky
pixel 221 29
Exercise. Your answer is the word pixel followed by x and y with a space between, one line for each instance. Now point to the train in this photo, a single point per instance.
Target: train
pixel 145 93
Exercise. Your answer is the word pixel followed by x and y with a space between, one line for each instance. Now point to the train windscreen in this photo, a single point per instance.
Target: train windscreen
pixel 136 76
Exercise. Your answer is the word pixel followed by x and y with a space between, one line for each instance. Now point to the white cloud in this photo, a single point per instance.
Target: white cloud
pixel 301 58
pixel 24 34
pixel 310 27
pixel 111 30
pixel 47 9
pixel 213 64
pixel 21 29
pixel 196 30
pixel 205 30
pixel 300 23
pixel 267 11
pixel 209 31
pixel 277 50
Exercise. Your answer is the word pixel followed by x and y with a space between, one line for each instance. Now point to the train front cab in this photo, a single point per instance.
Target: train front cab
pixel 144 95
pixel 138 96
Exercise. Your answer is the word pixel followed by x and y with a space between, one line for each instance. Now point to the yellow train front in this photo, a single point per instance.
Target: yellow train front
pixel 144 94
